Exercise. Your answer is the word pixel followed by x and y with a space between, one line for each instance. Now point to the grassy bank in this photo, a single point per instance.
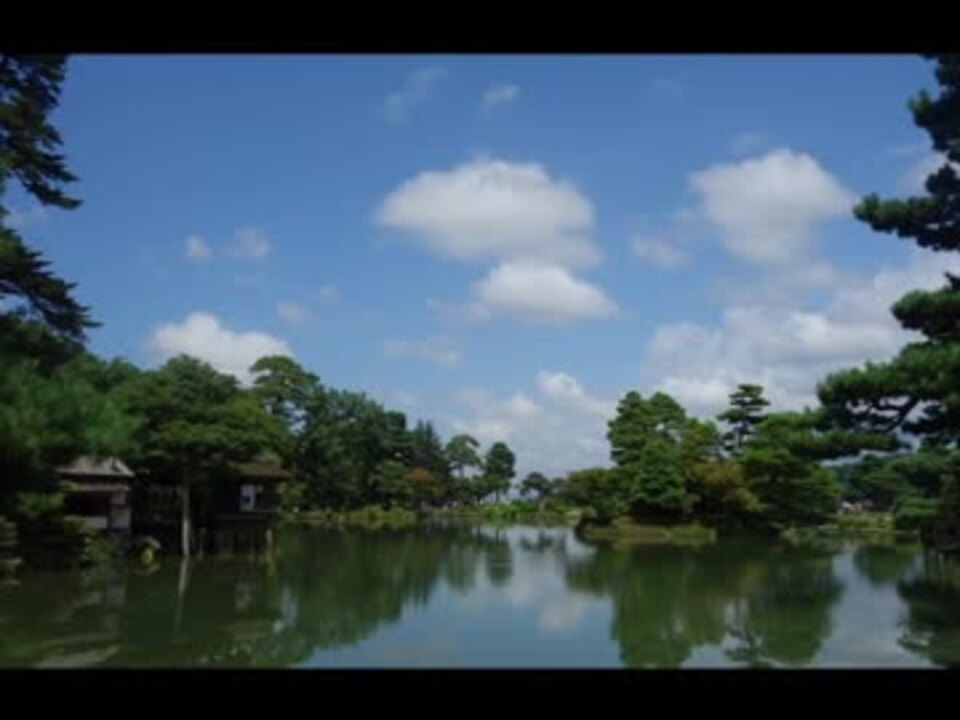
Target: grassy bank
pixel 371 517
pixel 863 525
pixel 509 512
pixel 629 531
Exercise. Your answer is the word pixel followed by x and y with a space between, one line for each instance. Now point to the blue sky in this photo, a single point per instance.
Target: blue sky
pixel 504 244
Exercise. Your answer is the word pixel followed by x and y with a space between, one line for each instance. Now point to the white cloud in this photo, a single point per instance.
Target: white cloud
pixel 785 349
pixel 32 216
pixel 197 249
pixel 694 393
pixel 563 428
pixel 203 336
pixel 567 392
pixel 749 143
pixel 292 312
pixel 783 286
pixel 659 253
pixel 493 210
pixel 767 208
pixel 415 89
pixel 539 293
pixel 535 226
pixel 438 350
pixel 500 95
pixel 250 244
pixel 915 178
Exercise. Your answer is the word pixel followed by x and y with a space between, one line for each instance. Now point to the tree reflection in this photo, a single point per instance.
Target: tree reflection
pixel 933 610
pixel 320 590
pixel 669 600
pixel 885 563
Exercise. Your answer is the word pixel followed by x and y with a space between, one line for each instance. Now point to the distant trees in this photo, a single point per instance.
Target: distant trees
pixel 537 485
pixel 192 422
pixel 670 467
pixel 745 412
pixel 498 469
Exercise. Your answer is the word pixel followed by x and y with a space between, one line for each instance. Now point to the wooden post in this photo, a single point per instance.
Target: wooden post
pixel 181 591
pixel 185 518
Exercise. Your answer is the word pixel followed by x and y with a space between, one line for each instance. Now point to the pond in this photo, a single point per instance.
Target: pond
pixel 485 596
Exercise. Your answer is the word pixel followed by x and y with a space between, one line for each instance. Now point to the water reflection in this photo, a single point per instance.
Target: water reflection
pixel 768 604
pixel 885 563
pixel 933 611
pixel 486 596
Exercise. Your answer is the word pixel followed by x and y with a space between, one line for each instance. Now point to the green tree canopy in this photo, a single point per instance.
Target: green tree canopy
pixel 746 409
pixel 30 153
pixel 499 468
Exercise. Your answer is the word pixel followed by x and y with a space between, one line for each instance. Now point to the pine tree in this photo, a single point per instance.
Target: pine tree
pixel 746 410
pixel 917 392
pixel 30 154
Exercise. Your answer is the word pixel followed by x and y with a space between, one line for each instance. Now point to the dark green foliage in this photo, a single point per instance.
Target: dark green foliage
pixel 285 388
pixel 498 469
pixel 432 468
pixel 917 392
pixel 47 419
pixel 29 144
pixel 602 490
pixel 194 419
pixel 391 484
pixel 536 484
pixel 462 453
pixel 40 295
pixel 878 481
pixel 746 410
pixel 914 513
pixel 30 153
pixel 644 444
pixel 781 468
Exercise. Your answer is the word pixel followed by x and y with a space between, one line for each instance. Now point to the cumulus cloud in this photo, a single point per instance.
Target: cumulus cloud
pixel 566 391
pixel 493 210
pixel 535 227
pixel 539 293
pixel 659 253
pixel 437 350
pixel 250 244
pixel 500 95
pixel 561 428
pixel 767 209
pixel 417 86
pixel 197 249
pixel 788 350
pixel 203 336
pixel 923 166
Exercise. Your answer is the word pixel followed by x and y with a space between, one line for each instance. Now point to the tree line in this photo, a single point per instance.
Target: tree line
pixel 886 431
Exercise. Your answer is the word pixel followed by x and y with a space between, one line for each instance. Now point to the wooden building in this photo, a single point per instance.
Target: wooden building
pixel 98 490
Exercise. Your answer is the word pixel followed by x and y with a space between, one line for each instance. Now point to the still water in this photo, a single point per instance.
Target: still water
pixel 495 597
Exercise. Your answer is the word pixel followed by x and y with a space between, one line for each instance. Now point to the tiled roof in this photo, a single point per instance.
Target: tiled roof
pixel 90 466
